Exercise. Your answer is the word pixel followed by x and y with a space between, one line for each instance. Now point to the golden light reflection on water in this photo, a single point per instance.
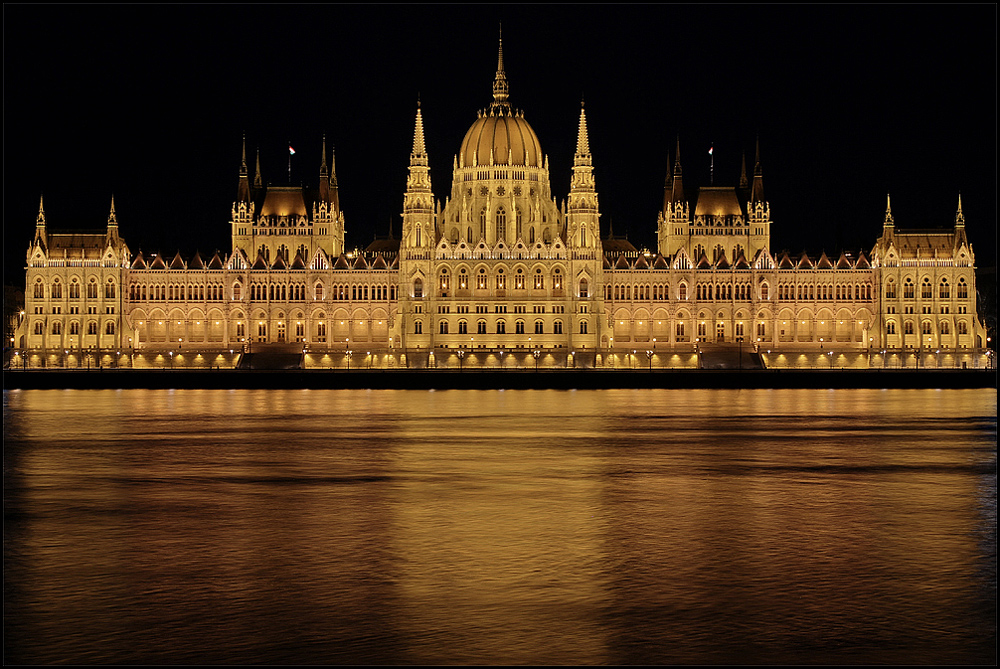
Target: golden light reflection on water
pixel 458 527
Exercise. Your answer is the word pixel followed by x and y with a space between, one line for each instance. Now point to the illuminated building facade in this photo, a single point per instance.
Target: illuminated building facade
pixel 500 269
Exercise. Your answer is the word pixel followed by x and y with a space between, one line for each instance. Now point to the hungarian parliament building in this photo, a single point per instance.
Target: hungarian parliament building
pixel 500 275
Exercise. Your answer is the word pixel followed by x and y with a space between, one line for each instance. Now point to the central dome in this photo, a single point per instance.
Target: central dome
pixel 502 137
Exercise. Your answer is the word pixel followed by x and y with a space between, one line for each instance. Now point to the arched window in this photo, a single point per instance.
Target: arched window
pixel 584 287
pixel 463 327
pixel 418 288
pixel 764 291
pixel 963 289
pixel 501 327
pixel 908 289
pixel 57 328
pixel 39 289
pixel 890 327
pixel 74 290
pixel 518 327
pixel 501 224
pixel 92 289
pixel 890 289
pixel 539 280
pixel 682 291
pixel 109 289
pixel 944 290
pixel 539 327
pixel 56 290
pixel 925 289
pixel 318 289
pixel 481 279
pixel 443 327
pixel 583 327
pixel 109 328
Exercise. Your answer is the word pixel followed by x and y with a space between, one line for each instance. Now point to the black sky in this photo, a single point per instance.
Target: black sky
pixel 150 103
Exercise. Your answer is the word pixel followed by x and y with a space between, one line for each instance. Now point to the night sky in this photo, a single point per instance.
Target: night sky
pixel 149 103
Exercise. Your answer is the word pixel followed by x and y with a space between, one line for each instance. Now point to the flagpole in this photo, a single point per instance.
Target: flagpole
pixel 289 162
pixel 711 169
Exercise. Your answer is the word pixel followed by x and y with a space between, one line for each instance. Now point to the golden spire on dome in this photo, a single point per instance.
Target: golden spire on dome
pixel 501 90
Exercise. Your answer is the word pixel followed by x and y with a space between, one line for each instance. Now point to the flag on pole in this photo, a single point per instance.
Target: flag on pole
pixel 291 151
pixel 710 149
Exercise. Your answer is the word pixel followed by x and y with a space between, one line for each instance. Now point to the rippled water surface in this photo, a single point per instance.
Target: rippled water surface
pixel 522 527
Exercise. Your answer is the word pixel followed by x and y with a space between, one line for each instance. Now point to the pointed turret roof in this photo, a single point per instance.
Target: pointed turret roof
pixel 243 190
pixel 582 140
pixel 677 183
pixel 196 262
pixel 177 262
pixel 501 90
pixel 757 192
pixel 419 154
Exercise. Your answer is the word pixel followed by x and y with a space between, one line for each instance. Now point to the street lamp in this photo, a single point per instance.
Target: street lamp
pixel 461 357
pixel 649 356
pixel 536 353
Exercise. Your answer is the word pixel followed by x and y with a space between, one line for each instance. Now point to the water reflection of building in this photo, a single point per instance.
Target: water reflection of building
pixel 500 268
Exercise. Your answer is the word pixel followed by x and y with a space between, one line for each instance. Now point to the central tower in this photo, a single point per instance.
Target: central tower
pixel 499 266
pixel 500 192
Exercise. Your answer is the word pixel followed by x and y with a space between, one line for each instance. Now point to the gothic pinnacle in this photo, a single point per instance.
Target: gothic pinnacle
pixel 582 141
pixel 41 210
pixel 888 210
pixel 419 154
pixel 112 219
pixel 501 90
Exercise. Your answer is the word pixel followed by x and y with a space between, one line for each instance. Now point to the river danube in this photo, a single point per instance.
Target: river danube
pixel 500 527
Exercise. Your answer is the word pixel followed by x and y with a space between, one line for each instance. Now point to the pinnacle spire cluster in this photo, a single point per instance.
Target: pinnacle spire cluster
pixel 501 90
pixel 582 140
pixel 419 154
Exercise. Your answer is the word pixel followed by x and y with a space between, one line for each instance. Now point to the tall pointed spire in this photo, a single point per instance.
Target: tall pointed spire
pixel 677 185
pixel 501 90
pixel 743 172
pixel 419 154
pixel 333 166
pixel 959 216
pixel 322 160
pixel 112 219
pixel 257 179
pixel 888 212
pixel 757 193
pixel 582 141
pixel 40 233
pixel 324 174
pixel 243 190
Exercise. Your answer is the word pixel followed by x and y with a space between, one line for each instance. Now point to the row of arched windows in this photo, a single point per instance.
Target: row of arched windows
pixel 824 292
pixel 500 327
pixel 927 327
pixel 72 290
pixel 927 289
pixel 74 328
